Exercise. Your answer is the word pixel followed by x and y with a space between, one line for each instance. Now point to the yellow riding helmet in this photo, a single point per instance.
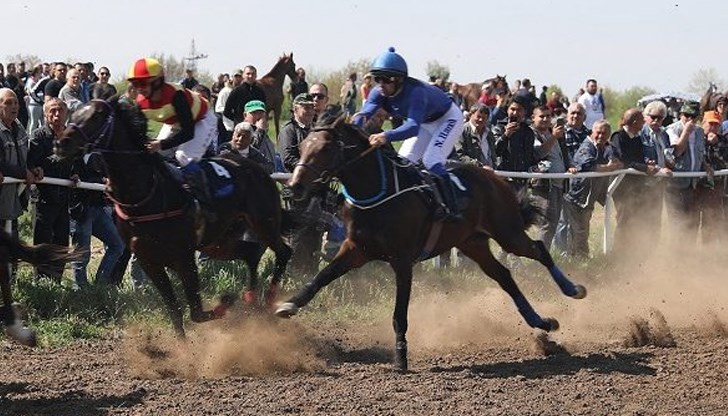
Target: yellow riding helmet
pixel 145 68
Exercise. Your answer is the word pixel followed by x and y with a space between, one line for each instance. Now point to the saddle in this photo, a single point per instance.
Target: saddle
pixel 438 196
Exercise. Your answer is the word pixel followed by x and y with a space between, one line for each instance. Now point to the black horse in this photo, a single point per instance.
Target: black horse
pixel 388 218
pixel 160 221
pixel 12 250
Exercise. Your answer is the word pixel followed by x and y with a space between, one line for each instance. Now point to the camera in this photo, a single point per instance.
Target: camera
pixel 560 121
pixel 513 119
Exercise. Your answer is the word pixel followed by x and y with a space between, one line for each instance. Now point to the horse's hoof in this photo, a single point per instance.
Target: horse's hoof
pixel 552 325
pixel 286 310
pixel 400 357
pixel 219 311
pixel 21 334
pixel 580 292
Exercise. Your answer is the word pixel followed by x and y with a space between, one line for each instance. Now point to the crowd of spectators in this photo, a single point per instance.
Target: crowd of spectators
pixel 513 130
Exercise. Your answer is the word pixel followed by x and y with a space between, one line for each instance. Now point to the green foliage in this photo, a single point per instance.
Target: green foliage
pixel 334 80
pixel 618 102
pixel 30 60
pixel 174 70
pixel 701 80
pixel 437 70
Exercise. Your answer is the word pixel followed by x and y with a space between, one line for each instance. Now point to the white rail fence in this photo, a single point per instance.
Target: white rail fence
pixel 606 243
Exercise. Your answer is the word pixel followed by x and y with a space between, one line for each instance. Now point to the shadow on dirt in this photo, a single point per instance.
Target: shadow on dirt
pixel 562 364
pixel 335 353
pixel 74 402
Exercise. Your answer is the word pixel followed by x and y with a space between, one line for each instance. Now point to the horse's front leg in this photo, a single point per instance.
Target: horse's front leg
pixel 403 275
pixel 350 256
pixel 186 269
pixel 160 279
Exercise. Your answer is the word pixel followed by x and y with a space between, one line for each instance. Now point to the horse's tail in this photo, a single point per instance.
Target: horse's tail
pixel 41 254
pixel 530 212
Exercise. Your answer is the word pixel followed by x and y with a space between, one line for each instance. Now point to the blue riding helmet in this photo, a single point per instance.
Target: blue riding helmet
pixel 389 64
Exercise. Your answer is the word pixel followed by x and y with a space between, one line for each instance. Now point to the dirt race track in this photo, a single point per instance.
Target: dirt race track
pixel 653 343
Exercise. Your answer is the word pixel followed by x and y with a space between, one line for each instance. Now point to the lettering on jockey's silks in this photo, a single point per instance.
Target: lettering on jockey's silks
pixel 219 170
pixel 446 132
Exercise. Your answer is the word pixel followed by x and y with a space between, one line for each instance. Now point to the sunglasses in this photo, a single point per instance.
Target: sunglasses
pixel 318 96
pixel 139 83
pixel 655 117
pixel 103 74
pixel 383 80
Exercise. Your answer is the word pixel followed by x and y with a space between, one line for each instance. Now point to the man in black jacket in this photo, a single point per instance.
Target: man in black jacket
pixel 240 95
pixel 52 220
pixel 514 142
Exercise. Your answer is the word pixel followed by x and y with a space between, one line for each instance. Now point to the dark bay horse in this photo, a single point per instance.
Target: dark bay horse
pixel 388 219
pixel 272 84
pixel 159 220
pixel 12 250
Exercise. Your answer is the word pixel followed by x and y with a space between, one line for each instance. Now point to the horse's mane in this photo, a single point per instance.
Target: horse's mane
pixel 131 115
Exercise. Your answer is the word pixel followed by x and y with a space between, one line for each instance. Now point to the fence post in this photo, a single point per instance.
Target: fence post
pixel 608 205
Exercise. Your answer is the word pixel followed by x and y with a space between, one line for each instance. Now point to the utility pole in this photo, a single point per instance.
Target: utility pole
pixel 193 57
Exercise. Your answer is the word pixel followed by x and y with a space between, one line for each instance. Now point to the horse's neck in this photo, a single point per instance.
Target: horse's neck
pixel 277 74
pixel 130 178
pixel 363 178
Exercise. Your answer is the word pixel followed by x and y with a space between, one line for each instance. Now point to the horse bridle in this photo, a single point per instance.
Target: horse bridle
pixel 105 133
pixel 325 176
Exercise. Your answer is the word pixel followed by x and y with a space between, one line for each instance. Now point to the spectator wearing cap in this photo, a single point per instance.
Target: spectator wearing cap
pixel 240 146
pixel 710 191
pixel 686 153
pixel 514 141
pixel 257 116
pixel 307 240
pixel 474 147
pixel 527 97
pixel 293 133
pixel 248 90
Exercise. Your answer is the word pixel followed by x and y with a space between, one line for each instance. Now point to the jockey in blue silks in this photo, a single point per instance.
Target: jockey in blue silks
pixel 432 122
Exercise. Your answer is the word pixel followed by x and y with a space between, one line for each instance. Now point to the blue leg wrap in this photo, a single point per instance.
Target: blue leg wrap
pixel 564 283
pixel 526 310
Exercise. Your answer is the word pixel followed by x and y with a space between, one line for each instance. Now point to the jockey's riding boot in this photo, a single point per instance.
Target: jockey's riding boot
pixel 197 181
pixel 449 199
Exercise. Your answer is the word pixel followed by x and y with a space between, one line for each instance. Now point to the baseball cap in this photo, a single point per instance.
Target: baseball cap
pixel 690 108
pixel 303 98
pixel 254 105
pixel 712 117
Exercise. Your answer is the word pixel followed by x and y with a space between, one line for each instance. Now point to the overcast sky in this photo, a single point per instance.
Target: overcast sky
pixel 621 43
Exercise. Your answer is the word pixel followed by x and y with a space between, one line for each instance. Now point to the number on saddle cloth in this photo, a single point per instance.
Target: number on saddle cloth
pixel 219 180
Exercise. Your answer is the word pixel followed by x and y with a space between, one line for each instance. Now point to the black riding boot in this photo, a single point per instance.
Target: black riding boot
pixel 197 181
pixel 449 199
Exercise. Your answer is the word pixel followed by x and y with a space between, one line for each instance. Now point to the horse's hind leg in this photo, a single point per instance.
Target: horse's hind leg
pixel 349 257
pixel 13 326
pixel 478 249
pixel 186 269
pixel 522 245
pixel 283 255
pixel 251 253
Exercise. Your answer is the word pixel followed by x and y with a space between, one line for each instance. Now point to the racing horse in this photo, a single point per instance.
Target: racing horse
pixel 160 221
pixel 12 250
pixel 388 218
pixel 272 85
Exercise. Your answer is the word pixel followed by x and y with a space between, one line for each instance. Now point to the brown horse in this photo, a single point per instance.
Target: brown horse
pixel 272 85
pixel 709 100
pixel 12 250
pixel 471 92
pixel 159 220
pixel 388 218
